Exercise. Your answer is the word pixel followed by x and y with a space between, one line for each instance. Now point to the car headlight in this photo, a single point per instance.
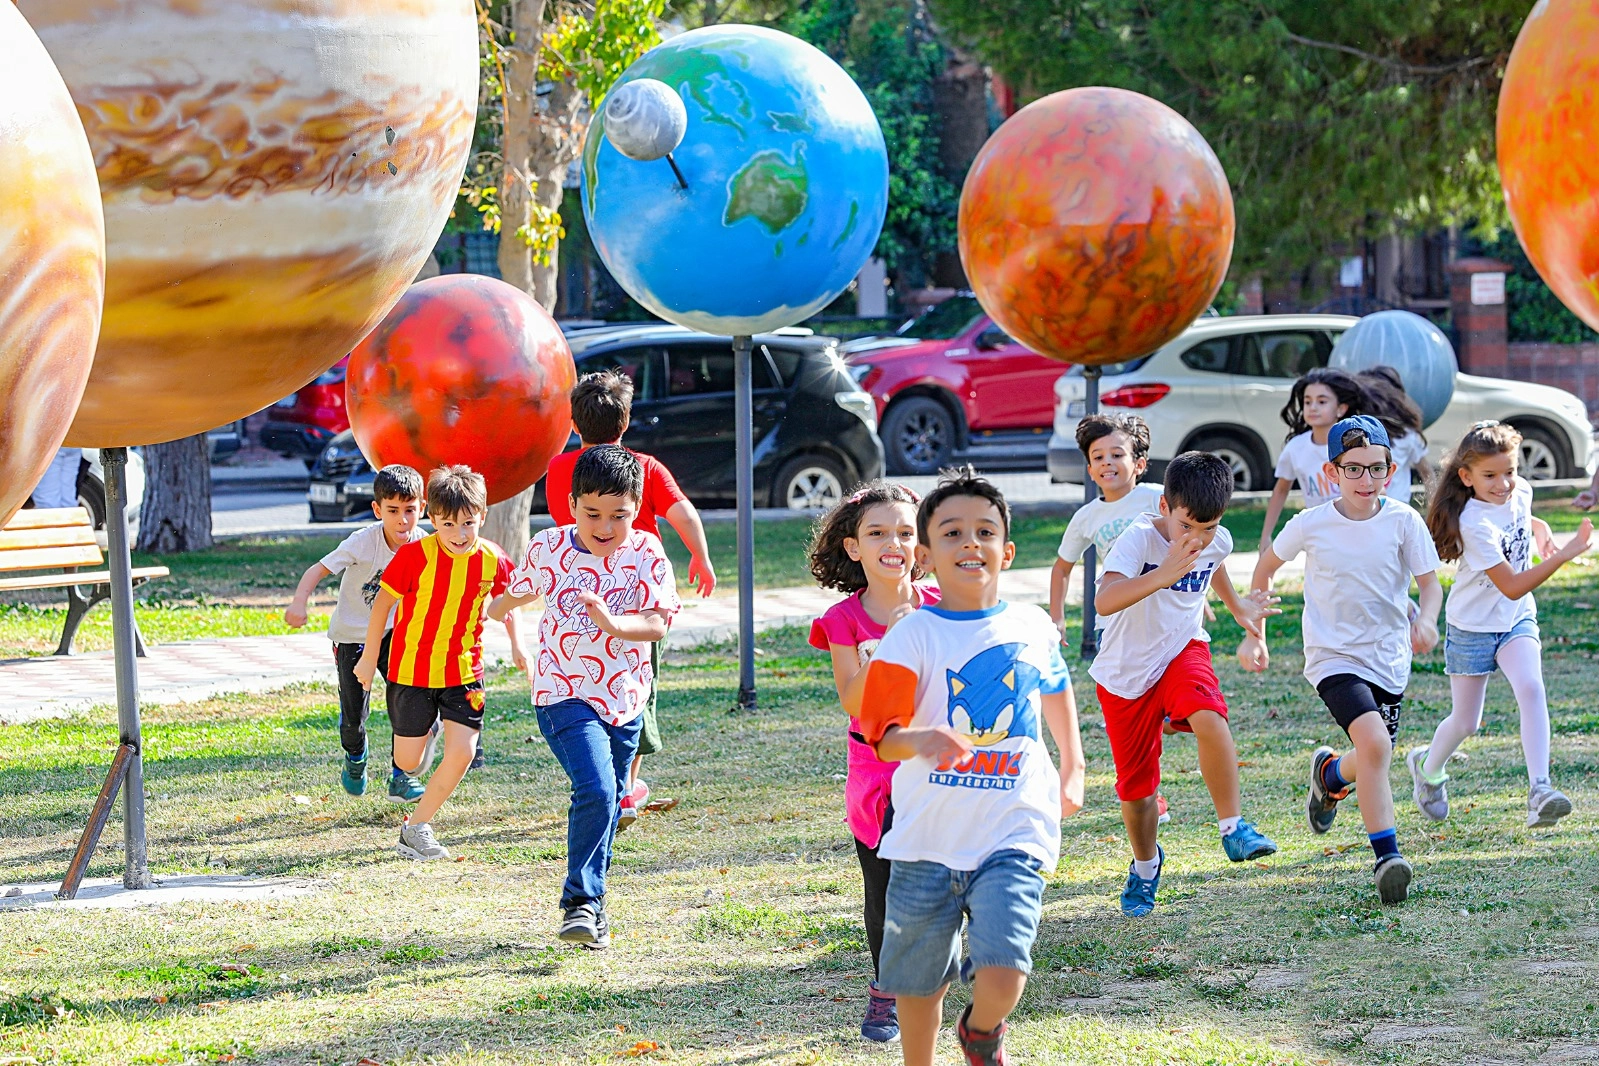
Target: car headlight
pixel 859 404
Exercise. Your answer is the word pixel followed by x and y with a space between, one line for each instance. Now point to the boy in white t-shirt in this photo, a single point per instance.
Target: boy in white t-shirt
pixel 955 693
pixel 397 502
pixel 1361 552
pixel 1155 667
pixel 608 591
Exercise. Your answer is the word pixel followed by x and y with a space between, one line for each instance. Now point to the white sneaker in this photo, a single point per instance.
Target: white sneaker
pixel 1432 798
pixel 1546 804
pixel 417 842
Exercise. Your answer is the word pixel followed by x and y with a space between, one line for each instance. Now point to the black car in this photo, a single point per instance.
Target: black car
pixel 815 431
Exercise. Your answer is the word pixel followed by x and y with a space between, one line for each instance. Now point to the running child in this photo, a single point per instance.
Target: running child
pixel 360 560
pixel 1320 398
pixel 1116 450
pixel 602 406
pixel 1481 514
pixel 866 546
pixel 1155 665
pixel 1390 404
pixel 955 693
pixel 1362 550
pixel 608 591
pixel 438 586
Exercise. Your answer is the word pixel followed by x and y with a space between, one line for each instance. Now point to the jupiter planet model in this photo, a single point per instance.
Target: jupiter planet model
pixel 52 260
pixel 273 172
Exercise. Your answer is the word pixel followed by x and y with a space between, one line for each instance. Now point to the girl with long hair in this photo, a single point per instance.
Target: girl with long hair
pixel 1320 398
pixel 1387 400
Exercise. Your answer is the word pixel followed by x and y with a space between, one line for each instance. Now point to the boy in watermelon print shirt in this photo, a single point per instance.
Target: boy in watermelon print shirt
pixel 608 591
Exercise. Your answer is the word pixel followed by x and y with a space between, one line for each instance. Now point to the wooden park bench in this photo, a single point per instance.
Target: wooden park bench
pixel 62 539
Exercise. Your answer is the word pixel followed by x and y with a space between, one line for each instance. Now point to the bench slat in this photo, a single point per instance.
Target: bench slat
pixel 45 558
pixel 83 577
pixel 49 517
pixel 52 537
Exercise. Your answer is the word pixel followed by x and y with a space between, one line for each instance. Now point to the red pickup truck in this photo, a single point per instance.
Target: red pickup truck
pixel 951 385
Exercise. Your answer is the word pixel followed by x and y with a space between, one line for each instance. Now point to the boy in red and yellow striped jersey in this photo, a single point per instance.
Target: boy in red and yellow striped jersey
pixel 441 585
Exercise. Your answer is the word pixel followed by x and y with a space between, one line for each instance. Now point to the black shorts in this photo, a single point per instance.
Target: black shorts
pixel 1348 697
pixel 413 709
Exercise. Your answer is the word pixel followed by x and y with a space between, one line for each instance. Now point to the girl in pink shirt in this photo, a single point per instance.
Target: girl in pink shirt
pixel 866 546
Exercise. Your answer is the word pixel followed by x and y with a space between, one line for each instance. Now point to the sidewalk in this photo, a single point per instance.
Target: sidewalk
pixel 190 671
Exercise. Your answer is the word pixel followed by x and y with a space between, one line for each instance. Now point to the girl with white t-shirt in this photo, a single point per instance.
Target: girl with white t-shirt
pixel 1320 398
pixel 866 546
pixel 1387 400
pixel 1482 515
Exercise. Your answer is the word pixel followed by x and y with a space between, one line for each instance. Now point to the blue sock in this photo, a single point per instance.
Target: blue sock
pixel 1331 777
pixel 1385 843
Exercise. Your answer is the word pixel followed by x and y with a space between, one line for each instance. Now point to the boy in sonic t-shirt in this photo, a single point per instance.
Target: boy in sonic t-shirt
pixel 955 693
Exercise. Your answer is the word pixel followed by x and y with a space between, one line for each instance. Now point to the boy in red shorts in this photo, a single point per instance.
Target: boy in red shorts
pixel 1154 662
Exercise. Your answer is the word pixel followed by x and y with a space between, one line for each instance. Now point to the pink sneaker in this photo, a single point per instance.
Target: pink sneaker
pixel 1160 805
pixel 641 794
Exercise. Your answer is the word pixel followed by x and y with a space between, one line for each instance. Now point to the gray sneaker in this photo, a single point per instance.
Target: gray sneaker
pixel 1393 879
pixel 1546 804
pixel 417 842
pixel 1431 799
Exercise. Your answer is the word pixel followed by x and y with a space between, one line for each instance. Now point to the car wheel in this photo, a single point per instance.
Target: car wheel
pixel 808 483
pixel 91 497
pixel 1542 456
pixel 1249 469
pixel 918 436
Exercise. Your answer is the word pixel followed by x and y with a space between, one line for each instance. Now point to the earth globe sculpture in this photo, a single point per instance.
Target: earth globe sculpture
pixel 52 260
pixel 645 119
pixel 1411 345
pixel 273 176
pixel 1095 225
pixel 1548 112
pixel 784 190
pixel 465 369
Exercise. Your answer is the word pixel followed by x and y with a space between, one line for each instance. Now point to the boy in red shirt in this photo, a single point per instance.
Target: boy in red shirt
pixel 441 584
pixel 601 406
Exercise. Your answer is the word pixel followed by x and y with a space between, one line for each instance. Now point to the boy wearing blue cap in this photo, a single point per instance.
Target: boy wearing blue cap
pixel 1361 550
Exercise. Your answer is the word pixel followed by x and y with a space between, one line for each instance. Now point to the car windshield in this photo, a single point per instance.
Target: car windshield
pixel 948 319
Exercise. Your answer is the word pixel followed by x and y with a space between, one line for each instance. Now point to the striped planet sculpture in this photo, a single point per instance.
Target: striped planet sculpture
pixel 273 172
pixel 465 369
pixel 1548 159
pixel 1095 225
pixel 52 260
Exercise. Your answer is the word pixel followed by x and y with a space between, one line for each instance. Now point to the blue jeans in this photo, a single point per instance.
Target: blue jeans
pixel 596 757
pixel 1471 654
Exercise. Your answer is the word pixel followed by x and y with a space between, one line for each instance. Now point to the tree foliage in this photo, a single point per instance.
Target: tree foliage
pixel 1334 121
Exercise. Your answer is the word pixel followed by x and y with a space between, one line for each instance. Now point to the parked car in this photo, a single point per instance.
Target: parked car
pixel 951 383
pixel 1221 387
pixel 301 424
pixel 815 432
pixel 225 440
pixel 91 488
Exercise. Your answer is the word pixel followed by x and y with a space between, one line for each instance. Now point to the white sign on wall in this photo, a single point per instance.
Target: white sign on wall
pixel 1487 289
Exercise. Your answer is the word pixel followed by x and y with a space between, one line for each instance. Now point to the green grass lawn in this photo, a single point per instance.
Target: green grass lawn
pixel 736 914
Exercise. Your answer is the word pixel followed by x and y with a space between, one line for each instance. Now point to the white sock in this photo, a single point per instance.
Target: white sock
pixel 1229 824
pixel 1147 868
pixel 1522 663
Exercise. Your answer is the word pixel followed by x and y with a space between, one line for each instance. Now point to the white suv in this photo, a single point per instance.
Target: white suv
pixel 1221 387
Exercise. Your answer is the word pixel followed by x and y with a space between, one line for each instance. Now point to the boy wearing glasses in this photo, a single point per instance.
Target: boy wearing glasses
pixel 1361 551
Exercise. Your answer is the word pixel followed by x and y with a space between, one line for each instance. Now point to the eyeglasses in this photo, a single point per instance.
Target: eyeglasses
pixel 1378 471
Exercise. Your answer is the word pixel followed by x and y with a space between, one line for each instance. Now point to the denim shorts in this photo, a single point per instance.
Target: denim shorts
pixel 1472 654
pixel 1001 900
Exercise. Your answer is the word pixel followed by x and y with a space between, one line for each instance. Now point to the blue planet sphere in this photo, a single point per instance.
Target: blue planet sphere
pixel 1411 345
pixel 787 185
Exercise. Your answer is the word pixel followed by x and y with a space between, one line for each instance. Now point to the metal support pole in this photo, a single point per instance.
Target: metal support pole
pixel 136 866
pixel 744 419
pixel 1090 645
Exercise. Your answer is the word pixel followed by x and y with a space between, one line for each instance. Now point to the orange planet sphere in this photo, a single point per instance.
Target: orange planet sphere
pixel 274 173
pixel 52 260
pixel 465 369
pixel 1548 156
pixel 1095 225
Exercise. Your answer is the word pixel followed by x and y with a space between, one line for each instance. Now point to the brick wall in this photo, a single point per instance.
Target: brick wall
pixel 1573 367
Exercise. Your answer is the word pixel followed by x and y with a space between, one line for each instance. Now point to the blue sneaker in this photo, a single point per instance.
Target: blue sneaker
pixel 403 788
pixel 1138 898
pixel 1246 842
pixel 1322 805
pixel 354 776
pixel 882 1018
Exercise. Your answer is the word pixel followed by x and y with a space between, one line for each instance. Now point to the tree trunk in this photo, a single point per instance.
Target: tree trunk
pixel 520 61
pixel 176 515
pixel 507 524
pixel 960 98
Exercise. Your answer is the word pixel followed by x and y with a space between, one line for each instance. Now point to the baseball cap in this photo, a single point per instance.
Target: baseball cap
pixel 1368 425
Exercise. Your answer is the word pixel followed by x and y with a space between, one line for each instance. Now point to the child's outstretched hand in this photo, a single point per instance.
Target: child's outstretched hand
pixel 943 745
pixel 1543 538
pixel 294 615
pixel 1181 555
pixel 1253 608
pixel 1253 655
pixel 702 575
pixel 1580 541
pixel 1071 792
pixel 1423 635
pixel 1585 499
pixel 595 607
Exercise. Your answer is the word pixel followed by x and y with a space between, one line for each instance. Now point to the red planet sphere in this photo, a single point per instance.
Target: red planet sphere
pixel 1095 225
pixel 1548 160
pixel 465 369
